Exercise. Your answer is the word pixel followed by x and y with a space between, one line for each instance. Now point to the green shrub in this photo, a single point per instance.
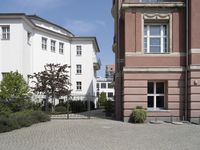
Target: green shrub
pixel 138 115
pixel 8 124
pixel 39 116
pixel 109 107
pixel 61 109
pixel 22 119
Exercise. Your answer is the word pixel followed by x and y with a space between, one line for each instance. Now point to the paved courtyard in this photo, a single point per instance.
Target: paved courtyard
pixel 101 134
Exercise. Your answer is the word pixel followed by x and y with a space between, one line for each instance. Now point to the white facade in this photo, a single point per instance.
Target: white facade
pixel 23 50
pixel 105 85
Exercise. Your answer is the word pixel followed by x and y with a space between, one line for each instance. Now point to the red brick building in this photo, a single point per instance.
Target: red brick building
pixel 157 51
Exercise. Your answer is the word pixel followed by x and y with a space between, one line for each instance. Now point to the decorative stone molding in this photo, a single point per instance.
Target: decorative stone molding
pixel 156 16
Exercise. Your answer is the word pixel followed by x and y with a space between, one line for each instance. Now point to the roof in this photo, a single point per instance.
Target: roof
pixel 29 18
pixel 46 21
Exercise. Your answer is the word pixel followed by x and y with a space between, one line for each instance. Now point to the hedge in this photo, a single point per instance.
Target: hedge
pixel 21 119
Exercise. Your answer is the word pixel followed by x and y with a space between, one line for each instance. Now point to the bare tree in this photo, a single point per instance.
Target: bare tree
pixel 53 82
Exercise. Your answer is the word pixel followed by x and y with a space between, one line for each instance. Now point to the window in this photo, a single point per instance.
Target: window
pixel 5 32
pixel 156 38
pixel 156 95
pixel 110 85
pixel 4 74
pixel 103 85
pixel 97 85
pixel 53 45
pixel 28 37
pixel 44 43
pixel 110 94
pixel 61 101
pixel 78 50
pixel 78 86
pixel 61 48
pixel 78 69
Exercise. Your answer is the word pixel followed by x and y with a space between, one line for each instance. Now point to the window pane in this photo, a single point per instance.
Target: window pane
pixel 103 85
pixel 155 49
pixel 155 45
pixel 150 88
pixel 150 101
pixel 155 29
pixel 165 44
pixel 145 44
pixel 110 94
pixel 145 30
pixel 97 85
pixel 160 88
pixel 160 101
pixel 155 41
pixel 165 30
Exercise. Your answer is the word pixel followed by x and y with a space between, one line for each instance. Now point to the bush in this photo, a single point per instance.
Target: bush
pixel 39 116
pixel 109 107
pixel 61 109
pixel 138 115
pixel 21 119
pixel 8 124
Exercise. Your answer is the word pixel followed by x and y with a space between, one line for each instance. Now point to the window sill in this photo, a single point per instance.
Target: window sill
pixel 157 110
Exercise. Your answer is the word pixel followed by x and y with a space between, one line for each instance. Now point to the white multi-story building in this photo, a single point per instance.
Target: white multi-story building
pixel 28 42
pixel 105 85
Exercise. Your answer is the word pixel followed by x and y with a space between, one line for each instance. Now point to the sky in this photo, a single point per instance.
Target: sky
pixel 81 17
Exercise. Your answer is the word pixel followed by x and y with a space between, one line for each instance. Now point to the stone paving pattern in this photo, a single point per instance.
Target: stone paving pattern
pixel 101 134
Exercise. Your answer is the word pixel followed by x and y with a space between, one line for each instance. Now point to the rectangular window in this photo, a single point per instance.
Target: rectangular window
pixel 156 38
pixel 110 94
pixel 156 95
pixel 61 48
pixel 103 85
pixel 5 32
pixel 97 85
pixel 110 85
pixel 78 69
pixel 53 45
pixel 78 86
pixel 4 74
pixel 78 50
pixel 44 43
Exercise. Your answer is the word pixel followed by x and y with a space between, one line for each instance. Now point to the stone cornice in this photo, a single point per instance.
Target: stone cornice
pixel 157 69
pixel 154 5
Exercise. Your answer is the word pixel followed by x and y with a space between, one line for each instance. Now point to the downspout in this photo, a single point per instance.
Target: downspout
pixel 185 106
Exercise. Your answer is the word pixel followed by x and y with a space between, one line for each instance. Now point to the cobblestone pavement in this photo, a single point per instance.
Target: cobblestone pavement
pixel 101 134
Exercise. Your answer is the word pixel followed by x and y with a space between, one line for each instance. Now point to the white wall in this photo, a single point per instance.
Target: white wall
pixel 27 58
pixel 12 50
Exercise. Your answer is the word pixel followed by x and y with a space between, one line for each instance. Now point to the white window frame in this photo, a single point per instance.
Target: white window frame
pixel 5 32
pixel 105 86
pixel 79 86
pixel 53 46
pixel 78 50
pixel 161 36
pixel 155 94
pixel 78 69
pixel 61 48
pixel 44 43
